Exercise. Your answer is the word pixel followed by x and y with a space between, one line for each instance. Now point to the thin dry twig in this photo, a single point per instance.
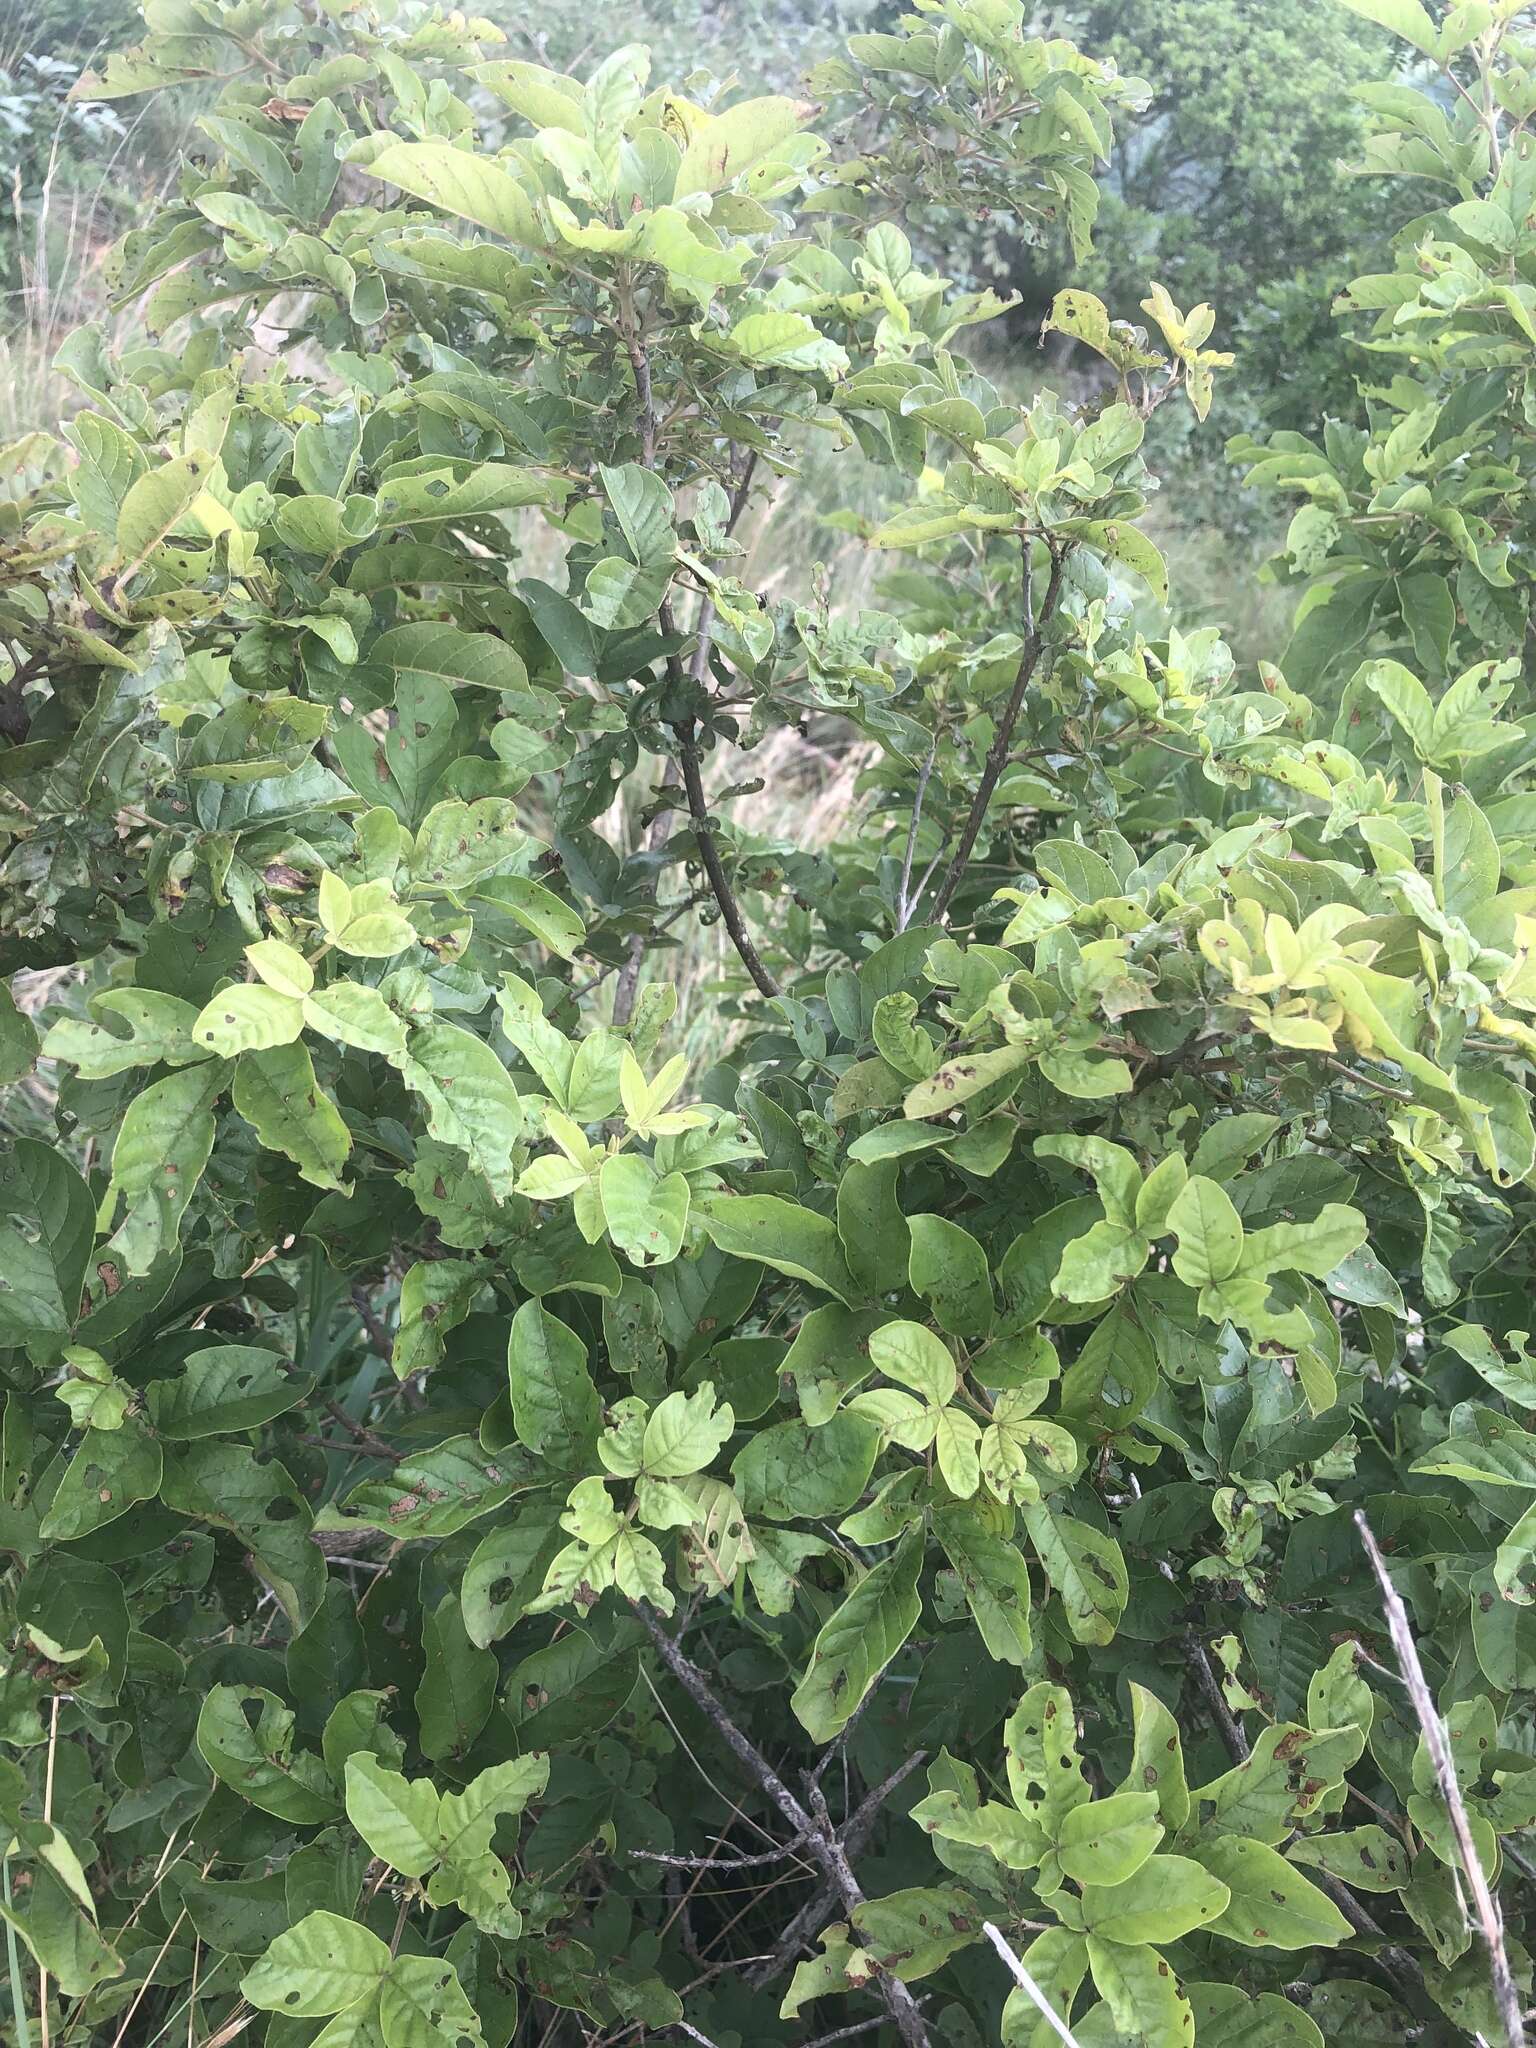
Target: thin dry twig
pixel 718 1862
pixel 149 1978
pixel 813 1826
pixel 997 753
pixel 1029 1987
pixel 845 2033
pixel 1490 1920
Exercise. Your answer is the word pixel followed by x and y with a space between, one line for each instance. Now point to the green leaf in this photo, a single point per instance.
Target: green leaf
pixel 471 1102
pixel 1057 1962
pixel 463 184
pixel 163 1146
pixel 1142 1994
pixel 437 1491
pixel 1405 18
pixel 507 1571
pixel 646 1214
pixel 454 1698
pixel 1086 1570
pixel 789 1470
pixel 949 1269
pixel 258 1759
pixel 396 1817
pixel 995 1579
pixel 915 1358
pixel 157 505
pixel 62 1937
pixel 1108 1840
pixel 354 1015
pixel 1040 1749
pixel 555 1408
pixel 782 1235
pixel 912 1933
pixel 277 1094
pixel 1272 1905
pixel 723 147
pixel 1368 1859
pixel 111 1471
pixel 861 1638
pixel 685 1433
pixel 223 1484
pixel 248 1017
pixel 1209 1231
pixel 1157 1758
pixel 422 2005
pixel 224 1390
pixel 159 1027
pixel 1164 1899
pixel 322 1965
pixel 1280 1783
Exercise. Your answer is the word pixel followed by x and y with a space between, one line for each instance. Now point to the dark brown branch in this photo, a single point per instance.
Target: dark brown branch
pixel 1226 1726
pixel 363 1437
pixel 15 714
pixel 818 1909
pixel 1490 1920
pixel 639 362
pixel 814 1828
pixel 997 753
pixel 374 1329
pixel 714 867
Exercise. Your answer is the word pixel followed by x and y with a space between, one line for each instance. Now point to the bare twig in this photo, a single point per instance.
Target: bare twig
pixel 997 753
pixel 1226 1726
pixel 363 1437
pixel 904 896
pixel 1029 1987
pixel 845 2033
pixel 1490 1920
pixel 814 1827
pixel 53 1751
pixel 117 2038
pixel 818 1909
pixel 756 1862
pixel 714 867
pixel 373 1323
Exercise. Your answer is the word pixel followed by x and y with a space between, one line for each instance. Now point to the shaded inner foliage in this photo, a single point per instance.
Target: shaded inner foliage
pixel 512 1535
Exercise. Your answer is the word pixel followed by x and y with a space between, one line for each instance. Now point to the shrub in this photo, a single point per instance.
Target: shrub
pixel 511 1541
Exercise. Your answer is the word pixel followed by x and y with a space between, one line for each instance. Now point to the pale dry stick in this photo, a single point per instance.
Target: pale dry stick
pixel 53 1750
pixel 167 1862
pixel 263 1259
pixel 149 1978
pixel 718 1862
pixel 1029 1987
pixel 818 1909
pixel 905 900
pixel 1490 1921
pixel 845 2033
pixel 222 2036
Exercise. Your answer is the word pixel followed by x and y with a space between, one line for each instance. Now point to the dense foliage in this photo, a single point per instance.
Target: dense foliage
pixel 509 1540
